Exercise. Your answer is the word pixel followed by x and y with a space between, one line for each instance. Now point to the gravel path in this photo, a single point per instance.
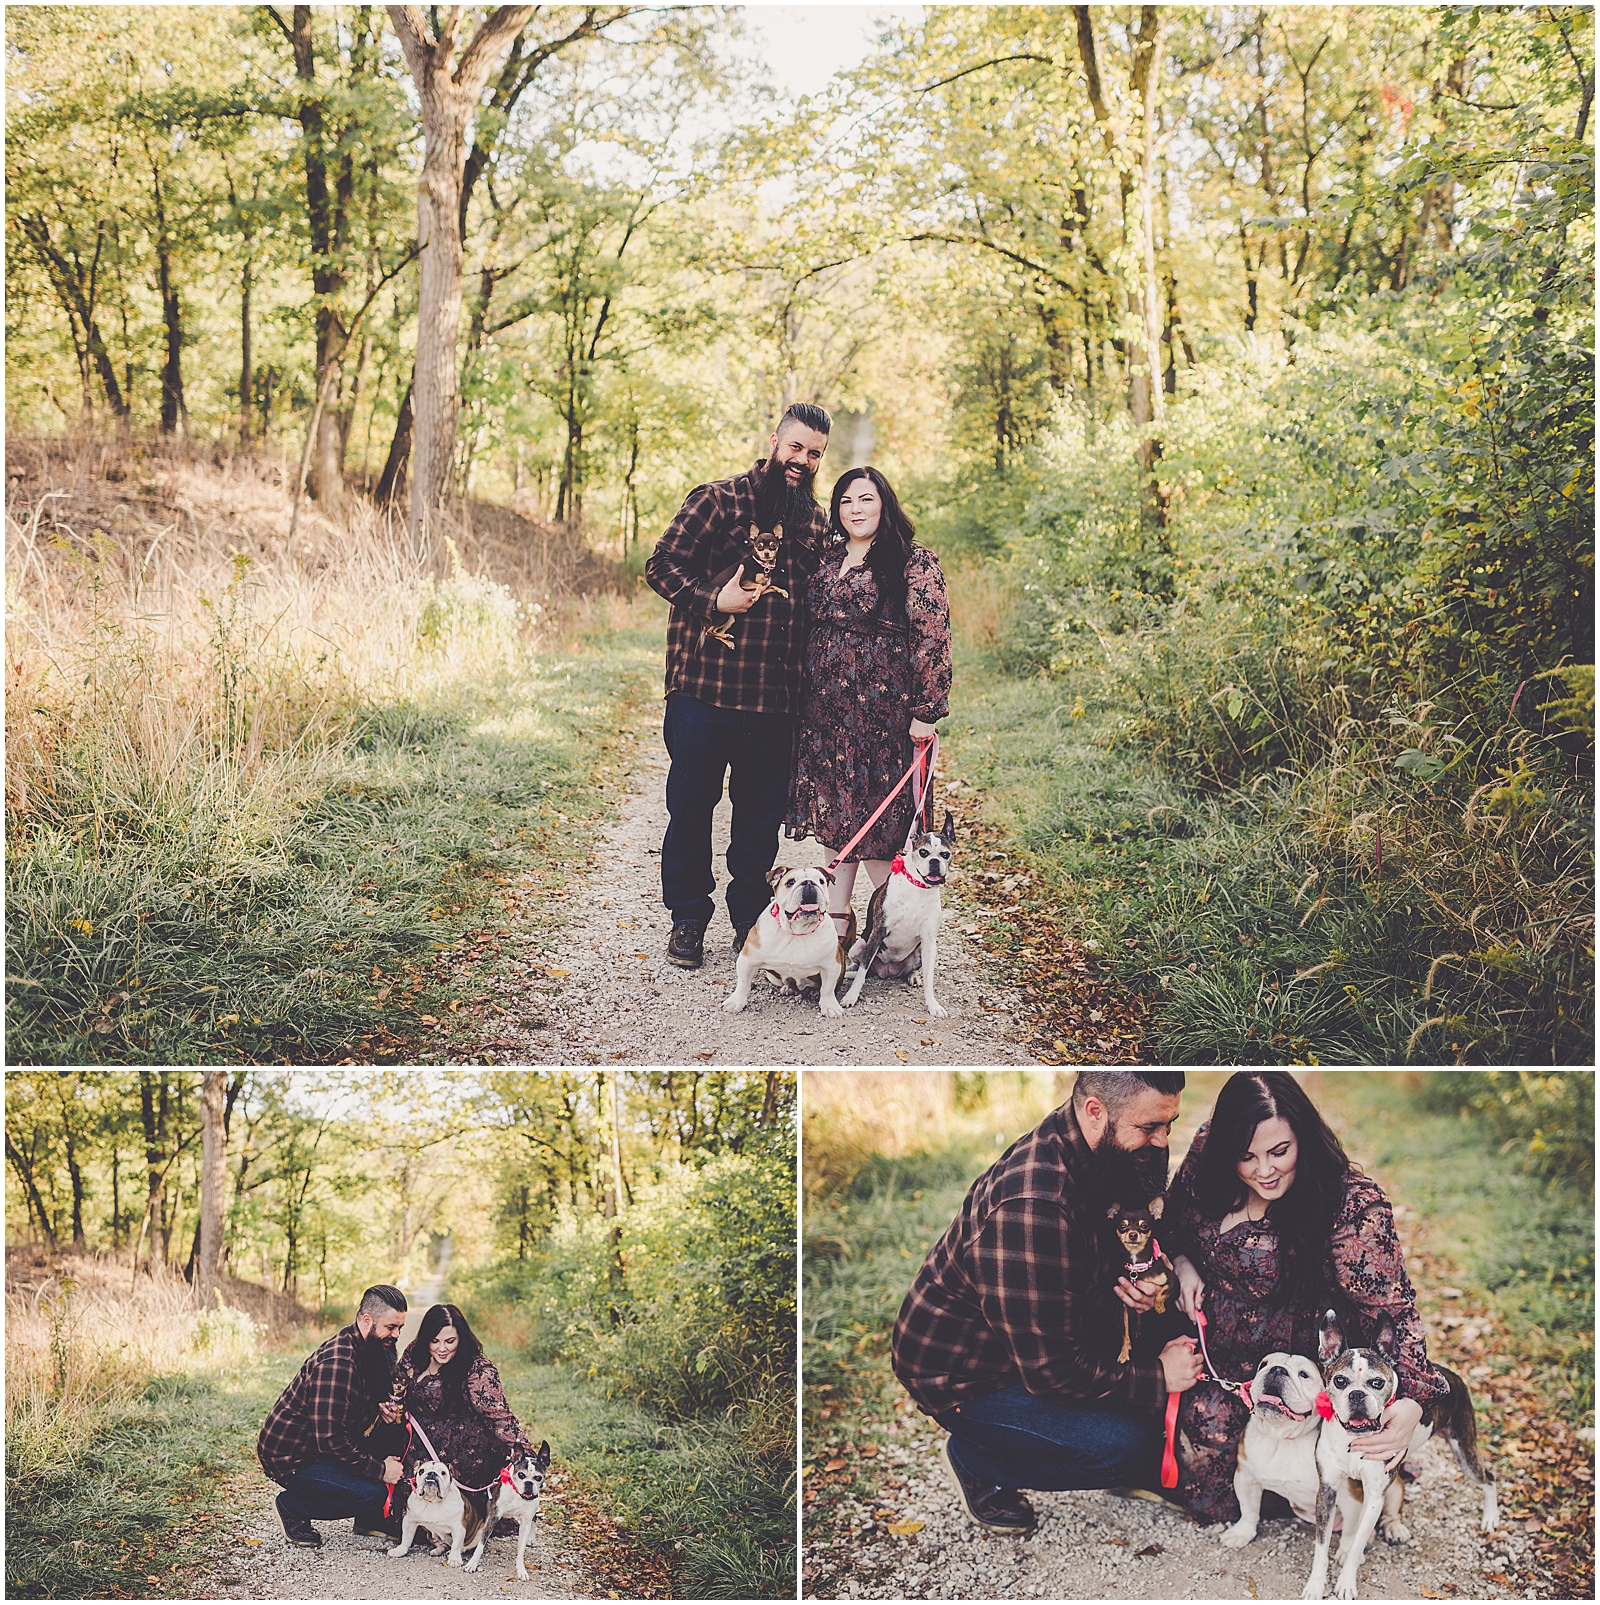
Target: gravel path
pixel 1095 1546
pixel 604 991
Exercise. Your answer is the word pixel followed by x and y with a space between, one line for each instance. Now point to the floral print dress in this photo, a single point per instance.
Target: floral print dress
pixel 475 1438
pixel 865 679
pixel 1365 1277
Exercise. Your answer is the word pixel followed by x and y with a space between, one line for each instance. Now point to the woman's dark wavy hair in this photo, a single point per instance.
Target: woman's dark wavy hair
pixel 453 1374
pixel 892 545
pixel 1304 1215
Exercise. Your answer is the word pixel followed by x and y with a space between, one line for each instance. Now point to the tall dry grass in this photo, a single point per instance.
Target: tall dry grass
pixel 173 654
pixel 84 1337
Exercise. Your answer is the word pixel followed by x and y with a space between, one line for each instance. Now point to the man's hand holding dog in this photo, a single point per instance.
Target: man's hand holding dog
pixel 1180 1361
pixel 1140 1297
pixel 733 597
pixel 393 1471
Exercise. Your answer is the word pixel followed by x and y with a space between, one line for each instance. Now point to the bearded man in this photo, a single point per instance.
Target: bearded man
pixel 1009 1335
pixel 730 710
pixel 323 1440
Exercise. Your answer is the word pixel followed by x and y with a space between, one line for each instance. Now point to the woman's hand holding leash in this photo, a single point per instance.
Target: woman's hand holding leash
pixel 1390 1442
pixel 1191 1290
pixel 921 732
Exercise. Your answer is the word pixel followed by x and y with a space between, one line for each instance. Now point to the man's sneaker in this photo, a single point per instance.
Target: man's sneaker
pixel 1171 1501
pixel 377 1529
pixel 686 947
pixel 995 1509
pixel 296 1530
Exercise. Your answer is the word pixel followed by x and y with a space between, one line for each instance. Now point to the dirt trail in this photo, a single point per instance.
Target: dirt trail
pixel 257 1563
pixel 602 990
pixel 1097 1546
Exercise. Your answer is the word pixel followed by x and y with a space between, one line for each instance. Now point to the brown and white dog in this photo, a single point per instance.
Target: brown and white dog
pixel 1361 1384
pixel 437 1504
pixel 794 942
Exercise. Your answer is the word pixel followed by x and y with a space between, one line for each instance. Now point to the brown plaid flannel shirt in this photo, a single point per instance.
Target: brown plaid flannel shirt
pixel 322 1415
pixel 761 673
pixel 1019 1289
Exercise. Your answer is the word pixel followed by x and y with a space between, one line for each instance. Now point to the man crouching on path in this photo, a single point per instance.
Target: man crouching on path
pixel 320 1441
pixel 1008 1335
pixel 731 709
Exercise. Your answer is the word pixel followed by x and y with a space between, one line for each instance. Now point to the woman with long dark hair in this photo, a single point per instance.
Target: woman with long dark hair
pixel 876 679
pixel 453 1390
pixel 1269 1223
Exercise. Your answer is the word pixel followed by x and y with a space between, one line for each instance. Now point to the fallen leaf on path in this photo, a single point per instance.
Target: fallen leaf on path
pixel 1149 1549
pixel 904 1529
pixel 900 1054
pixel 705 1055
pixel 428 1019
pixel 836 1464
pixel 868 1450
pixel 555 974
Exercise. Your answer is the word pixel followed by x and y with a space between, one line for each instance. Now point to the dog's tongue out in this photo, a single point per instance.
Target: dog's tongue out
pixel 805 919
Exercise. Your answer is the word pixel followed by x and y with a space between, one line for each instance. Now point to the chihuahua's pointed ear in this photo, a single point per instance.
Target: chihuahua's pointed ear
pixel 755 532
pixel 1114 1211
pixel 777 532
pixel 1157 1204
pixel 947 832
pixel 1330 1339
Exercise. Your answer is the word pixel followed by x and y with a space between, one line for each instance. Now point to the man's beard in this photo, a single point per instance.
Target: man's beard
pixel 1116 1175
pixel 779 502
pixel 376 1356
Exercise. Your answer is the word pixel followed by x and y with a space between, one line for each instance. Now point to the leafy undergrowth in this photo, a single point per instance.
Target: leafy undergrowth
pixel 659 1510
pixel 1145 919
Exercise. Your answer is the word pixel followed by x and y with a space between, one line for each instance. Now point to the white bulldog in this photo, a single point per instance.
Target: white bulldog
pixel 1279 1446
pixel 437 1504
pixel 794 942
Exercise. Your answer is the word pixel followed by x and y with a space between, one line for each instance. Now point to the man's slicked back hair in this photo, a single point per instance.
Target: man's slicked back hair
pixel 380 1298
pixel 809 414
pixel 1116 1089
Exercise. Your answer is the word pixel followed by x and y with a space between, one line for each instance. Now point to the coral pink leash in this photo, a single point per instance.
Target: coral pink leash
pixel 1169 1458
pixel 928 750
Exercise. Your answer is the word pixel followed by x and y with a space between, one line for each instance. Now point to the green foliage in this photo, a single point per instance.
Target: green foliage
pixel 1549 1119
pixel 690 1307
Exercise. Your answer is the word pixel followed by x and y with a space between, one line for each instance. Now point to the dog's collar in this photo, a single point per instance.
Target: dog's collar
pixel 1138 1267
pixel 898 867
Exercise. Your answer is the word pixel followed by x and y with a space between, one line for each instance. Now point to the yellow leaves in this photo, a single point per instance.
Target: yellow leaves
pixel 82 925
pixel 906 1529
pixel 555 974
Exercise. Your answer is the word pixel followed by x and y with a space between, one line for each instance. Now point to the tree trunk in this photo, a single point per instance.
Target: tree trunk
pixel 447 100
pixel 394 468
pixel 246 378
pixel 30 1187
pixel 327 482
pixel 173 410
pixel 213 1181
pixel 1146 77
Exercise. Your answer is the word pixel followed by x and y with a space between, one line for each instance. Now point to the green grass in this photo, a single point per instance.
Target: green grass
pixel 140 1500
pixel 703 1496
pixel 1209 902
pixel 166 943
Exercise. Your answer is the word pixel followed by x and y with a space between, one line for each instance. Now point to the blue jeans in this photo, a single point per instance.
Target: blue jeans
pixel 1013 1439
pixel 324 1492
pixel 753 750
